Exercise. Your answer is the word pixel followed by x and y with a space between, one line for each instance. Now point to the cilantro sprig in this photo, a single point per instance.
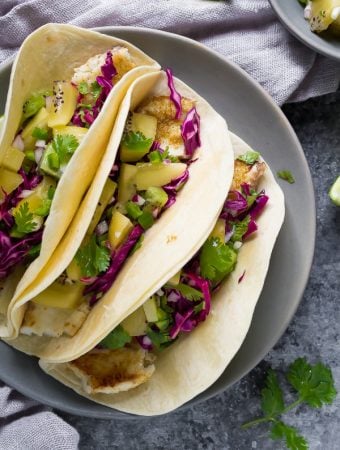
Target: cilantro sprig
pixel 286 175
pixel 314 385
pixel 136 141
pixel 250 157
pixel 187 291
pixel 217 259
pixel 157 156
pixel 24 220
pixel 92 258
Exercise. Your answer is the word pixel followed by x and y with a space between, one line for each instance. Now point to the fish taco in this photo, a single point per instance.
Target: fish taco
pixel 65 90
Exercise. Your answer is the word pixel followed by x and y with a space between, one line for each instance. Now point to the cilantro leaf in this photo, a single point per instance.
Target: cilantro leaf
pixel 314 384
pixel 44 208
pixel 83 88
pixel 286 175
pixel 293 439
pixel 188 292
pixel 24 219
pixel 116 339
pixel 216 259
pixel 240 228
pixel 92 258
pixel 136 141
pixel 64 145
pixel 272 398
pixel 250 157
pixel 96 89
pixel 157 156
pixel 40 133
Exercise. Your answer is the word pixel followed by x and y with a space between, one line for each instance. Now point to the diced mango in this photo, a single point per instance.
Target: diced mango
pixel 13 159
pixel 73 271
pixel 126 187
pixel 219 230
pixel 65 296
pixel 135 324
pixel 175 279
pixel 106 195
pixel 78 132
pixel 64 103
pixel 157 174
pixel 119 228
pixel 9 181
pixel 39 194
pixel 38 121
pixel 151 310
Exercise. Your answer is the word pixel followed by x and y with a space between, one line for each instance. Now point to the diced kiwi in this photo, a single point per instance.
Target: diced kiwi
pixel 151 310
pixel 47 163
pixel 78 132
pixel 156 196
pixel 57 295
pixel 157 175
pixel 135 324
pixel 119 228
pixel 13 159
pixel 106 195
pixel 38 121
pixel 126 187
pixel 36 200
pixel 64 103
pixel 219 230
pixel 9 181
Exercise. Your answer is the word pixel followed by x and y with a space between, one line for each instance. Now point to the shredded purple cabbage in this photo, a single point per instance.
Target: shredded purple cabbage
pixel 190 131
pixel 14 253
pixel 258 205
pixel 235 204
pixel 173 187
pixel 104 282
pixel 175 97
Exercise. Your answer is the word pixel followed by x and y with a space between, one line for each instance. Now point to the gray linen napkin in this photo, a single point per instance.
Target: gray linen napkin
pixel 27 425
pixel 246 31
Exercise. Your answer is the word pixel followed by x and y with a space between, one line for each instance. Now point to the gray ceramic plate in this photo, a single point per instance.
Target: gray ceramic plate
pixel 251 114
pixel 290 12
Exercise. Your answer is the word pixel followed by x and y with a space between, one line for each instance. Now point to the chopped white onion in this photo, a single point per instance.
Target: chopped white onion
pixel 25 193
pixel 140 200
pixel 102 228
pixel 237 245
pixel 307 12
pixel 48 101
pixel 38 152
pixel 173 297
pixel 155 213
pixel 40 143
pixel 18 143
pixel 335 13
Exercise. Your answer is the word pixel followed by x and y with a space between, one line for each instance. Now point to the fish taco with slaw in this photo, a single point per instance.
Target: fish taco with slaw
pixel 172 341
pixel 65 90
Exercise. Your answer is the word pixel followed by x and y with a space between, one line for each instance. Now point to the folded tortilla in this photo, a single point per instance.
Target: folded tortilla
pixel 51 53
pixel 167 245
pixel 195 361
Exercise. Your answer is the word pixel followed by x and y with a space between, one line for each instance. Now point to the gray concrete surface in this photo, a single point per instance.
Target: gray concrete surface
pixel 314 333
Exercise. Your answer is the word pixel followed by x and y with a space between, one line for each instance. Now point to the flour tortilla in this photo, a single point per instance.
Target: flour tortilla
pixel 48 54
pixel 166 247
pixel 196 361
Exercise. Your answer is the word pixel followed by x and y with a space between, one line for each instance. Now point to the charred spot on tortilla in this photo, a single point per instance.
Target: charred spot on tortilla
pixel 171 238
pixel 113 371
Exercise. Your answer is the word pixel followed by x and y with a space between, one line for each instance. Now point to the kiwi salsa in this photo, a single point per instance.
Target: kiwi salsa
pixel 53 124
pixel 323 15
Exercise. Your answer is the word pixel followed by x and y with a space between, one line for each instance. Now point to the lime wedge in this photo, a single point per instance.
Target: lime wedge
pixel 334 192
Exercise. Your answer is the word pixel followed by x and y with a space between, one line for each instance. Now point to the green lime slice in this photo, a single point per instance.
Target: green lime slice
pixel 334 192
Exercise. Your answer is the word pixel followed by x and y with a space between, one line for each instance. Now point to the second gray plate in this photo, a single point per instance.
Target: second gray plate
pixel 252 115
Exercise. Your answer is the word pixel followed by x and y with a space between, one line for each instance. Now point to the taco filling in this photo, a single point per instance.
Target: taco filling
pixel 143 183
pixel 124 359
pixel 53 124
